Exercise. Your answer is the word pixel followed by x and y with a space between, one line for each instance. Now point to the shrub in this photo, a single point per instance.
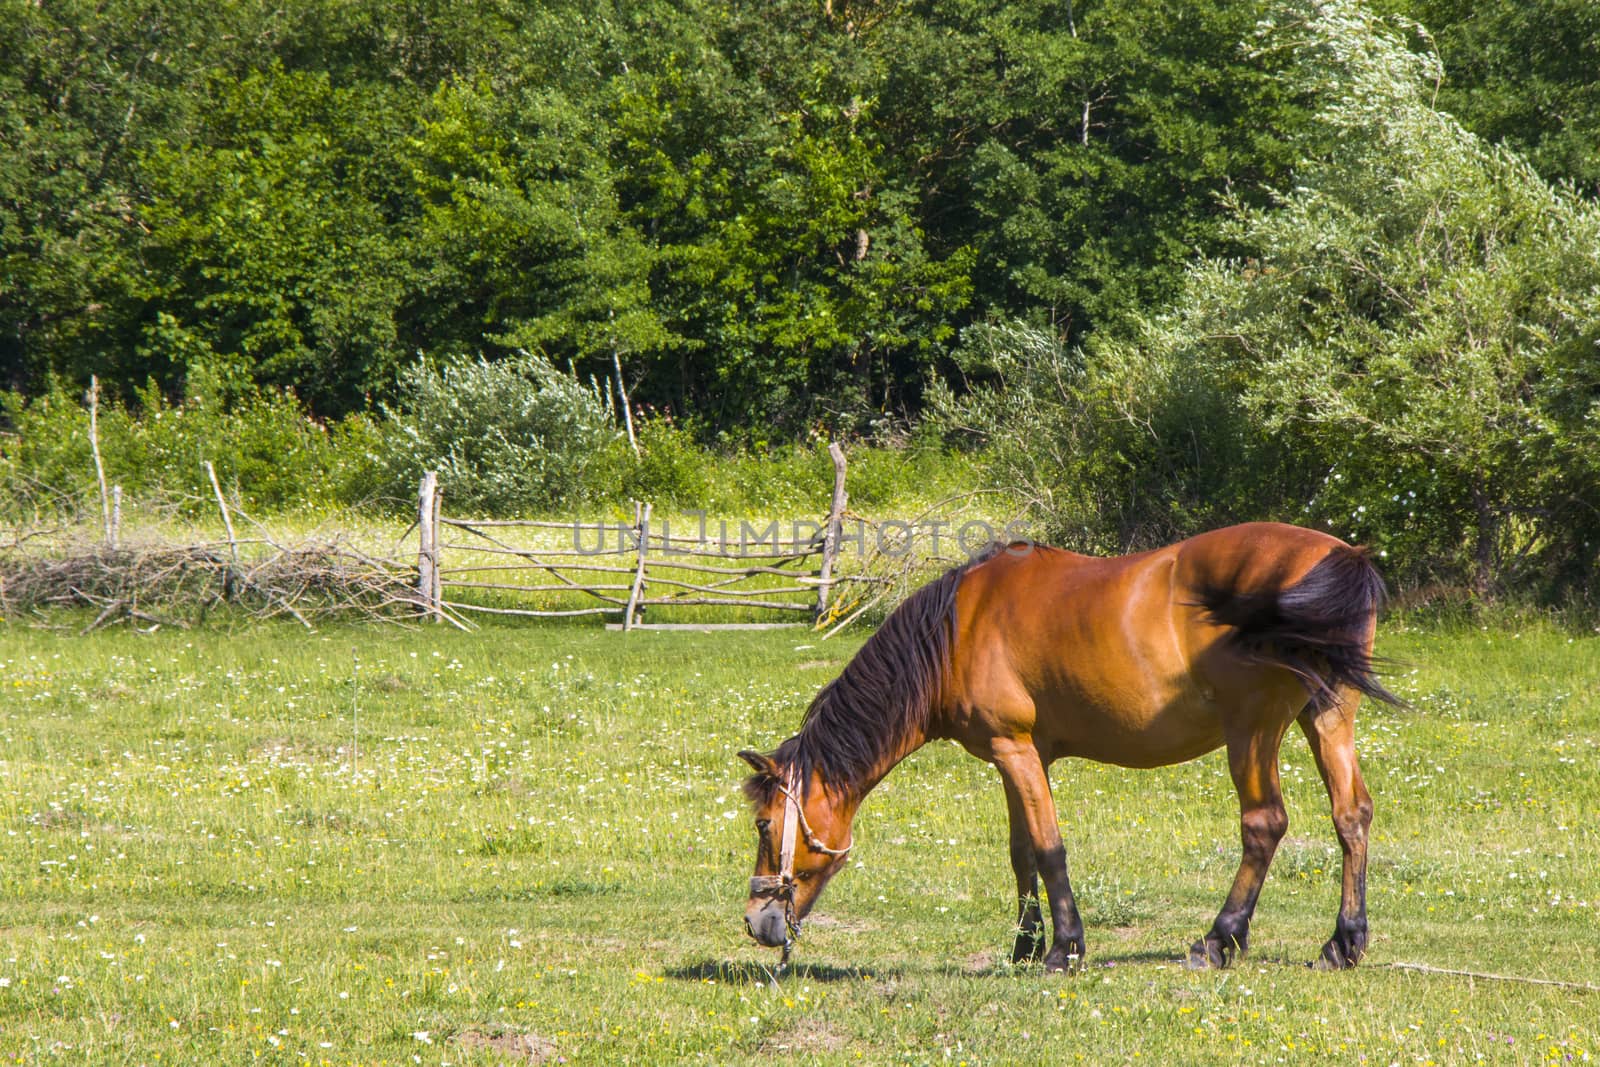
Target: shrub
pixel 1101 470
pixel 264 447
pixel 674 471
pixel 671 469
pixel 507 437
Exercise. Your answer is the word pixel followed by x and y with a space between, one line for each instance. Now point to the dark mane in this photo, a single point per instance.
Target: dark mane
pixel 884 695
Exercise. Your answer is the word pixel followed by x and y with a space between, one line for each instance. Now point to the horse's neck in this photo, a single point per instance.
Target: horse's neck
pixel 868 783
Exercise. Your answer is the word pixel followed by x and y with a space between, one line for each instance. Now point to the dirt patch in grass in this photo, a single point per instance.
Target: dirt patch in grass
pixel 829 922
pixel 809 1040
pixel 334 820
pixel 391 683
pixel 60 818
pixel 984 962
pixel 521 1048
pixel 509 785
pixel 289 751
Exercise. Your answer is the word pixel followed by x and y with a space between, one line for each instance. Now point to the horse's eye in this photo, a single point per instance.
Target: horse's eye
pixel 762 824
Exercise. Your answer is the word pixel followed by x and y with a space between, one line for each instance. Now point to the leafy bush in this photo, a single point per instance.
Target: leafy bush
pixel 776 478
pixel 1421 315
pixel 671 469
pixel 1106 462
pixel 507 437
pixel 484 427
pixel 797 479
pixel 266 450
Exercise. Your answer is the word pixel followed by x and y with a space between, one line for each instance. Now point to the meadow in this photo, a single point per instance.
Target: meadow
pixel 527 844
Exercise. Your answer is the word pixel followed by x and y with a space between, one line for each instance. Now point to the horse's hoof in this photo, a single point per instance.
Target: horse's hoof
pixel 1346 947
pixel 1207 955
pixel 1031 953
pixel 1335 957
pixel 1064 960
pixel 1029 948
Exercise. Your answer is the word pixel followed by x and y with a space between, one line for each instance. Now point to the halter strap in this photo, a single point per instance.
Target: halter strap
pixel 794 823
pixel 795 812
pixel 790 823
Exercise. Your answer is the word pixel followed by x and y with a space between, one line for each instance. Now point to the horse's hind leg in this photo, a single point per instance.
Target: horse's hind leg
pixel 1036 846
pixel 1253 762
pixel 1331 733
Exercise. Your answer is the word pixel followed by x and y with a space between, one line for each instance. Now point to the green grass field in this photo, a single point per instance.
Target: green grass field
pixel 528 845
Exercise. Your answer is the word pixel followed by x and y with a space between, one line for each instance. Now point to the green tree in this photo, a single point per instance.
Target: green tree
pixel 1082 147
pixel 1522 73
pixel 216 181
pixel 80 86
pixel 269 247
pixel 522 243
pixel 770 213
pixel 792 260
pixel 1418 318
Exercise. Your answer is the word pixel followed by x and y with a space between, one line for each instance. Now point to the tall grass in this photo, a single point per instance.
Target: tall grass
pixel 519 442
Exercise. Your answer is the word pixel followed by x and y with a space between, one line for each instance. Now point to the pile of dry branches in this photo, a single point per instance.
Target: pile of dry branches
pixel 162 584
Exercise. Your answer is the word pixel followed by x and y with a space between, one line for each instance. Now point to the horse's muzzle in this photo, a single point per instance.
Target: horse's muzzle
pixel 768 925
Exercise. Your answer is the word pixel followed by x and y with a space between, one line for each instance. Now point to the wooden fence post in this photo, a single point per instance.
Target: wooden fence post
pixel 227 524
pixel 834 531
pixel 116 516
pixel 641 523
pixel 438 553
pixel 94 448
pixel 428 546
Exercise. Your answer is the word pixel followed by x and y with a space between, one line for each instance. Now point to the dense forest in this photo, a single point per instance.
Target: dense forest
pixel 768 213
pixel 1165 262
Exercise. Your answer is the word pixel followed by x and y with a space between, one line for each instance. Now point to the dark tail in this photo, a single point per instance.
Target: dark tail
pixel 1316 628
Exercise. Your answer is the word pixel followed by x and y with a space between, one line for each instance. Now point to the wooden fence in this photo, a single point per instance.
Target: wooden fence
pixel 724 578
pixel 669 571
pixel 627 571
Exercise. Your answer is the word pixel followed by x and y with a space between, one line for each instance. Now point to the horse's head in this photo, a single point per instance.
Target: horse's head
pixel 797 829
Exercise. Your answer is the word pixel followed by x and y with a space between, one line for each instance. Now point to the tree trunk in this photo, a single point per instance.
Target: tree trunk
pixel 1483 554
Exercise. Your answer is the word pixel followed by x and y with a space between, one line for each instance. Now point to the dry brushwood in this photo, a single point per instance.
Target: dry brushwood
pixel 157 584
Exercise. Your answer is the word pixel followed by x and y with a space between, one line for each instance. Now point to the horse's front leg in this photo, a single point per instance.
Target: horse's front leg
pixel 1253 762
pixel 1036 846
pixel 1030 920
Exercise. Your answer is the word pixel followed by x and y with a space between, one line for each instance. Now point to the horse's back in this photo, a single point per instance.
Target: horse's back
pixel 1253 557
pixel 1117 659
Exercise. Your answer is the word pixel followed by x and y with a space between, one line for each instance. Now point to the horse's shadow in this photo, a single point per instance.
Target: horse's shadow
pixel 1002 967
pixel 1148 957
pixel 736 971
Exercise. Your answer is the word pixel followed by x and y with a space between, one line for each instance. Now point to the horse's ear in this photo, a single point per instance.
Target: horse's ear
pixel 762 764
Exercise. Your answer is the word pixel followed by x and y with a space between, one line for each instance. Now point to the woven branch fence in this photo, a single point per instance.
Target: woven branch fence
pixel 769 576
pixel 653 572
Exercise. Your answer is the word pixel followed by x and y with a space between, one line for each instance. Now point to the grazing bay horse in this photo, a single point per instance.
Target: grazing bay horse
pixel 1027 654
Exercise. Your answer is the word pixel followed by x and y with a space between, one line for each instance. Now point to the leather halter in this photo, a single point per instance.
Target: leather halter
pixel 781 886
